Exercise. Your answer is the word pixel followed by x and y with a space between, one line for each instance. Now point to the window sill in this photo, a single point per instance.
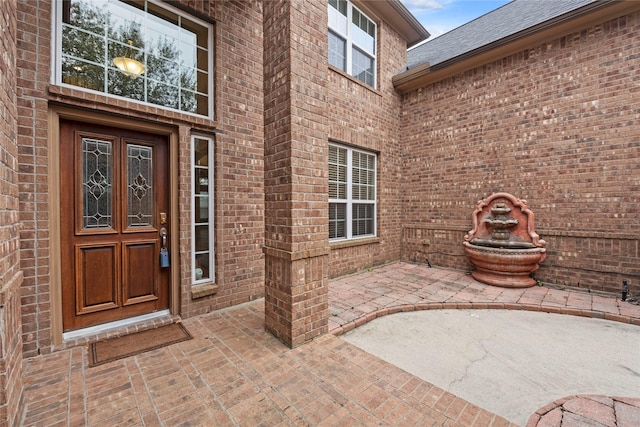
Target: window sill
pixel 201 291
pixel 355 242
pixel 354 80
pixel 71 95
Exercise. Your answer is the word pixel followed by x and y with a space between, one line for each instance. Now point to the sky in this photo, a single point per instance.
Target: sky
pixel 441 16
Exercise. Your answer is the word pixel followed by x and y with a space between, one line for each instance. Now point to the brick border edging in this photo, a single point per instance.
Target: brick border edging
pixel 594 314
pixel 537 416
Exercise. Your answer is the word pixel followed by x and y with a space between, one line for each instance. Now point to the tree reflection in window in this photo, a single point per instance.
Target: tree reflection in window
pixel 174 51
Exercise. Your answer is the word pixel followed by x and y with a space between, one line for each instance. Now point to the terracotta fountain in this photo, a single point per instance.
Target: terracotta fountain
pixel 503 246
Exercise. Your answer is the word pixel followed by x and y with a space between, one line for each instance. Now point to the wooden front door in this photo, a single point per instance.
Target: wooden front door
pixel 114 209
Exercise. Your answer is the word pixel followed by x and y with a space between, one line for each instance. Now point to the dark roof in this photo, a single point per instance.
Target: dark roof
pixel 510 19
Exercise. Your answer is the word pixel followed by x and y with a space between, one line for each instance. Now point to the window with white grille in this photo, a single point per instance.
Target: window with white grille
pixel 202 208
pixel 352 41
pixel 143 50
pixel 352 193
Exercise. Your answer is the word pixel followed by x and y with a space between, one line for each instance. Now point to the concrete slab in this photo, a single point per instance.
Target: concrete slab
pixel 508 362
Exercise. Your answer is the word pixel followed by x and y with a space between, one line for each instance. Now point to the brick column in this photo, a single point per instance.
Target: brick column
pixel 11 385
pixel 296 170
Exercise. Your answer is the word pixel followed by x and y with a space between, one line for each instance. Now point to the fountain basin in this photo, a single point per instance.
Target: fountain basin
pixel 503 245
pixel 505 267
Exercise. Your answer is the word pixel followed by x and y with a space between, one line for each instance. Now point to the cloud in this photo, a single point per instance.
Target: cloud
pixel 417 6
pixel 441 16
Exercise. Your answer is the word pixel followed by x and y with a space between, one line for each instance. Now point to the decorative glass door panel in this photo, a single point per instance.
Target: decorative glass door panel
pixel 97 184
pixel 114 203
pixel 139 186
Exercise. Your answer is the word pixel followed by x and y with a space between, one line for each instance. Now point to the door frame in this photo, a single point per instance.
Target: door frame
pixel 57 113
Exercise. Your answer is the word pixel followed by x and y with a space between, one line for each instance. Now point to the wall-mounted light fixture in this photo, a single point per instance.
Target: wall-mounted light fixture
pixel 128 65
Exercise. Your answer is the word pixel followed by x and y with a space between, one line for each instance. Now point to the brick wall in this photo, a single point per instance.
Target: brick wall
pixel 557 125
pixel 10 275
pixel 296 170
pixel 32 74
pixel 368 119
pixel 239 172
pixel 238 132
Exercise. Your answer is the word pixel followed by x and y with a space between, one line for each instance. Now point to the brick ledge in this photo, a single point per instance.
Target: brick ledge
pixel 341 329
pixel 201 291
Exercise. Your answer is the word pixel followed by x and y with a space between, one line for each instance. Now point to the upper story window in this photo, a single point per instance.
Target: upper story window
pixel 352 193
pixel 136 50
pixel 352 41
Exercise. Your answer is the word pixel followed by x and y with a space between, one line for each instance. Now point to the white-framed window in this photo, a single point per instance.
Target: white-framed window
pixel 140 50
pixel 202 211
pixel 352 41
pixel 352 193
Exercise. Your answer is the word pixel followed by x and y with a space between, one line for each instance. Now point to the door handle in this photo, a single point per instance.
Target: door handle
pixel 163 236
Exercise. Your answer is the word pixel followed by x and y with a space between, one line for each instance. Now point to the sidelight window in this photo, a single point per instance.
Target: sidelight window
pixel 202 210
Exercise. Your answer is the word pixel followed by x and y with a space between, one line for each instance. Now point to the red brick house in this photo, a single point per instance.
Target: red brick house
pixel 163 159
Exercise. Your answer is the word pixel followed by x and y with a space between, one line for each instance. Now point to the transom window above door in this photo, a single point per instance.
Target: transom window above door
pixel 137 50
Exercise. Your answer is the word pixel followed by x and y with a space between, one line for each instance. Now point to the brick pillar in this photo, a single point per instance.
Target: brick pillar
pixel 11 386
pixel 296 170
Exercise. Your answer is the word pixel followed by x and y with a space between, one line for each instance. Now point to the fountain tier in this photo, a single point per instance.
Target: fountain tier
pixel 503 246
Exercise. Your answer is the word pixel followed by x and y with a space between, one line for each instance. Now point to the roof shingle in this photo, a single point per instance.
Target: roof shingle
pixel 510 19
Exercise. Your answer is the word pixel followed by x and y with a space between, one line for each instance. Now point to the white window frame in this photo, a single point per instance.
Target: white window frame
pixel 211 209
pixel 56 59
pixel 343 27
pixel 350 201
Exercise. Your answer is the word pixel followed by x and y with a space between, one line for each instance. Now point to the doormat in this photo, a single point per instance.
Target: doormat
pixel 129 345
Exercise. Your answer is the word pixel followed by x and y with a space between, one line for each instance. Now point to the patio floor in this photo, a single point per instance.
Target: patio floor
pixel 234 373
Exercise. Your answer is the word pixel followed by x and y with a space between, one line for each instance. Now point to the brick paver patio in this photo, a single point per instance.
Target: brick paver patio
pixel 396 287
pixel 234 373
